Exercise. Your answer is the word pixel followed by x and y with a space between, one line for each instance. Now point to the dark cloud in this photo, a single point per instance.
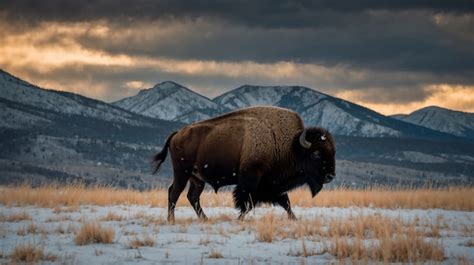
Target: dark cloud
pixel 267 13
pixel 400 47
pixel 409 41
pixel 392 35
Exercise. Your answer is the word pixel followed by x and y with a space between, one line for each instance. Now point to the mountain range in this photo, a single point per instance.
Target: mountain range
pixel 48 135
pixel 171 101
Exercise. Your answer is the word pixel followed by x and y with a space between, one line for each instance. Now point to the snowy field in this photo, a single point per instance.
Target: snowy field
pixel 142 235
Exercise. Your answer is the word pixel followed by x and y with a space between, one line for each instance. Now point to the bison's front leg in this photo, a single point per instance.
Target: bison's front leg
pixel 244 198
pixel 243 201
pixel 195 189
pixel 284 202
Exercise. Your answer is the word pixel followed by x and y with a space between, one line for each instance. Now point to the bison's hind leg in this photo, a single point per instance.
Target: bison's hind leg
pixel 179 183
pixel 195 189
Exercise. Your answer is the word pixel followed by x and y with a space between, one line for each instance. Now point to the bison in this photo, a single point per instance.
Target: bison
pixel 264 151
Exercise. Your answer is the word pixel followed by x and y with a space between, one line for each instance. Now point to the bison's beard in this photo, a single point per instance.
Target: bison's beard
pixel 314 186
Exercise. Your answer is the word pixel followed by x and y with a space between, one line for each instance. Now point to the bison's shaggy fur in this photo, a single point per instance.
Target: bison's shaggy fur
pixel 264 151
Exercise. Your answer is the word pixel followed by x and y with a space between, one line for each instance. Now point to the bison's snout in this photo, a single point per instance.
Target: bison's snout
pixel 329 177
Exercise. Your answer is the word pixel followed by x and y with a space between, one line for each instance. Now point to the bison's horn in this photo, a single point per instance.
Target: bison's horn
pixel 323 137
pixel 303 142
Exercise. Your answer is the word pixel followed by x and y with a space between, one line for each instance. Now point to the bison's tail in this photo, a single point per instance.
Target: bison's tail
pixel 159 158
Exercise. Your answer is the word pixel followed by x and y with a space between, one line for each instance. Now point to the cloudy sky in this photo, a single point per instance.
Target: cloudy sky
pixel 391 56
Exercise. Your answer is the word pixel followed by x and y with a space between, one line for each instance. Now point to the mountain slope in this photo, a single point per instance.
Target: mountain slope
pixel 444 120
pixel 339 116
pixel 48 135
pixel 171 101
pixel 15 90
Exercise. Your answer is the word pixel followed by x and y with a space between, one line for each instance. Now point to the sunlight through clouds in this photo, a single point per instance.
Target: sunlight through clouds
pixel 101 59
pixel 52 45
pixel 448 96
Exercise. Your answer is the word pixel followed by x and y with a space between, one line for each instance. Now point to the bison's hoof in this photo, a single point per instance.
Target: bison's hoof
pixel 203 218
pixel 292 217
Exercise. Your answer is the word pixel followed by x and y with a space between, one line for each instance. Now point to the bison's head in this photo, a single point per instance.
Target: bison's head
pixel 318 151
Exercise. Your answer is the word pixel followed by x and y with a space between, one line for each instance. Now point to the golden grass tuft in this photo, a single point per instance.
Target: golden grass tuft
pixel 215 254
pixel 343 248
pixel 18 217
pixel 205 241
pixel 21 231
pixel 408 248
pixel 470 243
pixel 32 228
pixel 266 228
pixel 94 233
pixel 393 239
pixel 146 241
pixel 400 248
pixel 305 251
pixel 30 254
pixel 72 196
pixel 112 217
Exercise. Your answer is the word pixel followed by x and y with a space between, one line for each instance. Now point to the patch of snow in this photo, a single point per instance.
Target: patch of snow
pixel 179 244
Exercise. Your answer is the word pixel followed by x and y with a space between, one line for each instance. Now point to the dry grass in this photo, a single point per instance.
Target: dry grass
pixel 266 228
pixel 215 254
pixel 462 260
pixel 18 217
pixel 205 241
pixel 30 254
pixel 70 197
pixel 112 217
pixel 389 239
pixel 93 233
pixel 33 229
pixel 305 251
pixel 21 231
pixel 146 241
pixel 59 218
pixel 470 243
pixel 404 248
pixel 453 198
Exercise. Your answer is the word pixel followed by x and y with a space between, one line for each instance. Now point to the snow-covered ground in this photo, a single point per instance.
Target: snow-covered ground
pixel 192 242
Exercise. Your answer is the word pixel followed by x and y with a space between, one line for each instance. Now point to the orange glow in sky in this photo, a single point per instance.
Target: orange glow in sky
pixel 44 55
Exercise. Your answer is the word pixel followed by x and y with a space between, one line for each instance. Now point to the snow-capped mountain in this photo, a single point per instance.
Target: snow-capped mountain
pixel 26 108
pixel 171 101
pixel 48 135
pixel 441 119
pixel 318 109
pixel 21 99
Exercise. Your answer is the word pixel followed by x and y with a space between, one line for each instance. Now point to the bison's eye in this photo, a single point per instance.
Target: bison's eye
pixel 315 155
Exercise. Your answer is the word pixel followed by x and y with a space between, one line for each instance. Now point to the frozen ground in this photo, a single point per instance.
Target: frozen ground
pixel 191 242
